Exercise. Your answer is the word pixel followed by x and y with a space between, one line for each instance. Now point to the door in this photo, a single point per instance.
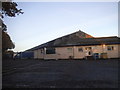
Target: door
pixel 88 51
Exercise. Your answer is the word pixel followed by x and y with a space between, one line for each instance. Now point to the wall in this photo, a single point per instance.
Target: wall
pixel 81 55
pixel 35 54
pixel 77 54
pixel 99 49
pixel 113 53
pixel 119 51
pixel 64 53
pixel 38 54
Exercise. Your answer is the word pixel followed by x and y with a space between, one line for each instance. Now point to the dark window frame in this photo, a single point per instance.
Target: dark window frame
pixel 110 48
pixel 50 51
pixel 80 49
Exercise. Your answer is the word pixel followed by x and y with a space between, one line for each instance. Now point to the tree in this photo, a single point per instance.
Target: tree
pixel 4 27
pixel 7 42
pixel 8 9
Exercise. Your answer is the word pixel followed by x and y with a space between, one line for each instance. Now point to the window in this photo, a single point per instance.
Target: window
pixel 50 50
pixel 69 49
pixel 109 48
pixel 41 51
pixel 88 48
pixel 80 49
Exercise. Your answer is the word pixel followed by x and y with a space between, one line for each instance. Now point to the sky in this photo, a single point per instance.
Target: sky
pixel 46 21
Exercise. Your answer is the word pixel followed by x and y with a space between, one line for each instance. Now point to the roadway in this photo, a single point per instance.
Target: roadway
pixel 60 74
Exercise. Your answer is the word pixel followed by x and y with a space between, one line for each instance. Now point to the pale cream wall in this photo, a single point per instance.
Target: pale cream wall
pixel 35 54
pixel 98 49
pixel 63 53
pixel 119 51
pixel 95 49
pixel 50 56
pixel 78 54
pixel 113 53
pixel 103 49
pixel 38 54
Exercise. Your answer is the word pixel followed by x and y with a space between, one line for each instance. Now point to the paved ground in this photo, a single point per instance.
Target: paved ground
pixel 60 74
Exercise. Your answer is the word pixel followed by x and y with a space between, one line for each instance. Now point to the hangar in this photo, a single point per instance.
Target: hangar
pixel 78 45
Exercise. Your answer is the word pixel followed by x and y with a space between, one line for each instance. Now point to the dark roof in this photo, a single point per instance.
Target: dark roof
pixel 78 39
pixel 69 39
pixel 99 41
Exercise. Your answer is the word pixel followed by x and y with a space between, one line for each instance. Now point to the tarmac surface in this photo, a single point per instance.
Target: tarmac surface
pixel 60 73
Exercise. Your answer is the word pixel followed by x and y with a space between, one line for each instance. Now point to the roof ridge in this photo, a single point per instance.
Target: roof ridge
pixel 76 37
pixel 108 37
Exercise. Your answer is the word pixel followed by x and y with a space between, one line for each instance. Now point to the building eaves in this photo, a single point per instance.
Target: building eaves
pixel 74 40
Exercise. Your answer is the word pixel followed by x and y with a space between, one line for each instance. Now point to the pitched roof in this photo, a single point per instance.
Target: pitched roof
pixel 78 38
pixel 67 39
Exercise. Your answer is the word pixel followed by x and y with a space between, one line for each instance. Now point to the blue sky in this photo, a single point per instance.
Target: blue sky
pixel 45 21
